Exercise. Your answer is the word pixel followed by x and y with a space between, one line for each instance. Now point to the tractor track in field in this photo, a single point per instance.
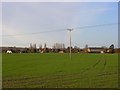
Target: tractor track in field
pixel 103 62
pixel 96 63
pixel 64 80
pixel 107 74
pixel 91 67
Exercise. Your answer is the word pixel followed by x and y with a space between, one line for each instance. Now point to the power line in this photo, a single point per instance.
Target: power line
pixel 34 33
pixel 94 26
pixel 60 30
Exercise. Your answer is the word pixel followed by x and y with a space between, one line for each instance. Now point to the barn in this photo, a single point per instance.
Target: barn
pixel 95 50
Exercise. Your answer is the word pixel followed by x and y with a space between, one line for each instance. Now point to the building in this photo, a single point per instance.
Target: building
pixel 9 51
pixel 95 50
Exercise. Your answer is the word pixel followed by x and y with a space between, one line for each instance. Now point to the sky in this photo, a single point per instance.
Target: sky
pixel 21 18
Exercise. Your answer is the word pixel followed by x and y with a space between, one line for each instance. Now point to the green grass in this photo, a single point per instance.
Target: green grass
pixel 57 70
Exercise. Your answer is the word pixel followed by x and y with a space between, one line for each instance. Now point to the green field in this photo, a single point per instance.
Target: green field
pixel 58 71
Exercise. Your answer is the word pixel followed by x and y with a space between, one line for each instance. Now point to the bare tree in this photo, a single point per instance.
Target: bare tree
pixel 45 48
pixel 86 48
pixel 40 46
pixel 33 48
pixel 58 47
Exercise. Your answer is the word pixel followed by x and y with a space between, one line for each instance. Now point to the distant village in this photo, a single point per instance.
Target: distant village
pixel 59 48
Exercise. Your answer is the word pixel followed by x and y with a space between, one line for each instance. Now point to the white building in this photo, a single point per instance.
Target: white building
pixel 9 51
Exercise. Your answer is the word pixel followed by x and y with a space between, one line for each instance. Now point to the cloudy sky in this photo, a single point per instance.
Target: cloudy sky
pixel 25 20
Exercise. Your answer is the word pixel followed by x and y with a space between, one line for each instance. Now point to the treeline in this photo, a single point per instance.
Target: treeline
pixel 56 48
pixel 59 48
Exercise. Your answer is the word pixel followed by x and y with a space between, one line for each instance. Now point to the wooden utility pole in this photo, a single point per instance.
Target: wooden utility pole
pixel 70 29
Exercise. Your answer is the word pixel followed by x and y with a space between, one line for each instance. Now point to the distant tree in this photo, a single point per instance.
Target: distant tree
pixel 30 45
pixel 76 49
pixel 45 45
pixel 58 47
pixel 63 46
pixel 68 49
pixel 45 48
pixel 86 48
pixel 14 49
pixel 30 49
pixel 33 48
pixel 111 48
pixel 40 46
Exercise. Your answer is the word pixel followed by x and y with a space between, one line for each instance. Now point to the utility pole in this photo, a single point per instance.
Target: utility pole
pixel 70 29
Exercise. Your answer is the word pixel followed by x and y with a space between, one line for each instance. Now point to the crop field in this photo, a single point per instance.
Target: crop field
pixel 56 70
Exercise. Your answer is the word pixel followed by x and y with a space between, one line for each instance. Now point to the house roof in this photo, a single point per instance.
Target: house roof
pixel 95 48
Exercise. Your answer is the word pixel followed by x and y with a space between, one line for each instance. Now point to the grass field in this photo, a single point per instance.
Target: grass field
pixel 58 71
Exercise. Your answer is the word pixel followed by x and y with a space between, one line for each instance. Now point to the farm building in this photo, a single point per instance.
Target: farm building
pixel 9 51
pixel 95 50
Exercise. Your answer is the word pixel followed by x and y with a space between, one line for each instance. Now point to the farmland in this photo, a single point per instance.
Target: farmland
pixel 56 70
